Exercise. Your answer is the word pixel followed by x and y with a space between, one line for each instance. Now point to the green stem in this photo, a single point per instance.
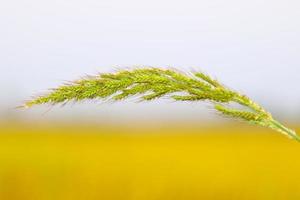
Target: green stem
pixel 286 130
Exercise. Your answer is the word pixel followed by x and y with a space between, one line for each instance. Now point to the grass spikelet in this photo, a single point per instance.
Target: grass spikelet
pixel 208 79
pixel 245 115
pixel 153 83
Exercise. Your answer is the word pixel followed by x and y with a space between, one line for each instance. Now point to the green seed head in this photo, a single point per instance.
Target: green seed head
pixel 153 83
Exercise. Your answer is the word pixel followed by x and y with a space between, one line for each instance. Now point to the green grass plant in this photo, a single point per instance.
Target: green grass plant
pixel 153 83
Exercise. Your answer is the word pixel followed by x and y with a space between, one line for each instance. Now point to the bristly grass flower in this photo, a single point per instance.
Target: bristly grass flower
pixel 153 83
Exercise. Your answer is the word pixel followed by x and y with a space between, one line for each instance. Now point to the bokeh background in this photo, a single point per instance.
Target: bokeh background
pixel 156 150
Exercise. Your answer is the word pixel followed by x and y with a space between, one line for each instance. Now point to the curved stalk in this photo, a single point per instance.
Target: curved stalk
pixel 153 83
pixel 281 128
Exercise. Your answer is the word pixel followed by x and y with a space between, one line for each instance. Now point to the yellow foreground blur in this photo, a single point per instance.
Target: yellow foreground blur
pixel 72 162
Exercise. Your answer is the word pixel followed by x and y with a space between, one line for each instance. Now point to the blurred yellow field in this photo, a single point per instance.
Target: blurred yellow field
pixel 106 162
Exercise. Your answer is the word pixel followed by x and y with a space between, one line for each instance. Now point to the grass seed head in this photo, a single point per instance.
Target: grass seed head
pixel 153 83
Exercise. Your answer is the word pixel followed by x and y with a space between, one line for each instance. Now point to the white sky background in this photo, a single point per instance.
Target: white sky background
pixel 251 46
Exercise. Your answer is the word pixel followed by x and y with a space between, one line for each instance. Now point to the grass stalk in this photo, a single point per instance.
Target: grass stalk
pixel 281 128
pixel 154 83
